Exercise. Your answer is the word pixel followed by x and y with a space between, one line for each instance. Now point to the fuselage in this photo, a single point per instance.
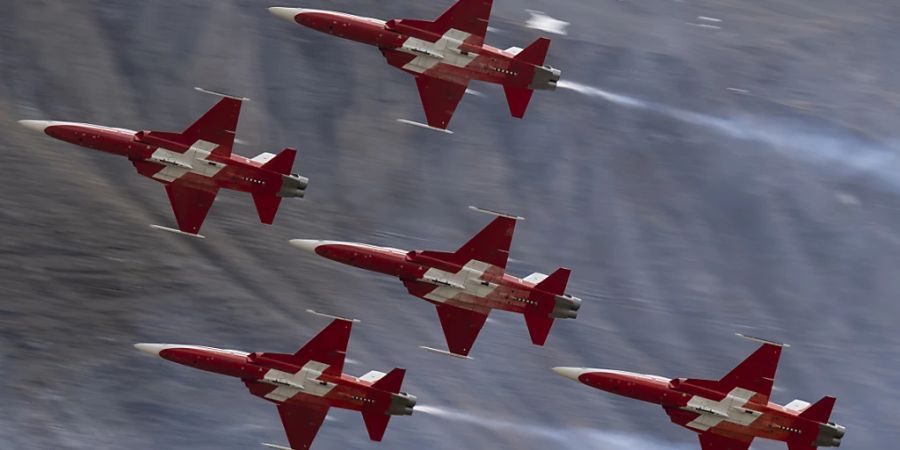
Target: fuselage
pixel 277 381
pixel 198 166
pixel 472 285
pixel 737 414
pixel 453 56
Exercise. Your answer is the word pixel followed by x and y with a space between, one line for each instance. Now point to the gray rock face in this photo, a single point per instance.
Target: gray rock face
pixel 698 180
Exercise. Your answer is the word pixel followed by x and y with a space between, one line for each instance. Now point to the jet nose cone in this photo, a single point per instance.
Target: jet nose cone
pixel 152 349
pixel 286 13
pixel 36 125
pixel 308 245
pixel 571 373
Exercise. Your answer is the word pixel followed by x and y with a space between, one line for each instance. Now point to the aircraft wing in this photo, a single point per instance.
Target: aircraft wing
pixel 439 98
pixel 709 441
pixel 301 422
pixel 190 205
pixel 461 327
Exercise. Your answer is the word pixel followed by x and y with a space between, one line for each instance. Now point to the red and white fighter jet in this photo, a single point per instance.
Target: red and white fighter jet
pixel 305 384
pixel 727 413
pixel 443 55
pixel 467 284
pixel 193 164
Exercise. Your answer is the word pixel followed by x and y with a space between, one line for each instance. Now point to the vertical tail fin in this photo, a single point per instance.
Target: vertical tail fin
pixel 390 382
pixel 555 283
pixel 540 320
pixel 817 430
pixel 281 163
pixel 819 411
pixel 377 420
pixel 519 97
pixel 535 53
pixel 267 202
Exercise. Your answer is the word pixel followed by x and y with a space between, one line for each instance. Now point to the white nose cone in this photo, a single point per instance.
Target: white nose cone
pixel 286 13
pixel 308 245
pixel 571 373
pixel 36 125
pixel 152 349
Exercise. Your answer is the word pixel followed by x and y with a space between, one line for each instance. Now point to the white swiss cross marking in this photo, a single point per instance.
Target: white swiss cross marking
pixel 729 409
pixel 291 384
pixel 450 284
pixel 193 160
pixel 446 50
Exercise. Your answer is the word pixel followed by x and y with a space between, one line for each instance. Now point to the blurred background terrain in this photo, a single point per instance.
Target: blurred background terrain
pixel 699 176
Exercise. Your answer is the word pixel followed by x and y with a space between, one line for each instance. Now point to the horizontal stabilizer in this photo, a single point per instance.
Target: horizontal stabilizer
pixel 518 99
pixel 538 327
pixel 372 376
pixel 266 206
pixel 797 405
pixel 536 277
pixel 262 158
pixel 376 423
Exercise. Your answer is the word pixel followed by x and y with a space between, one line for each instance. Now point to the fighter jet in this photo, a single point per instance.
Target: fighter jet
pixel 467 284
pixel 727 413
pixel 443 55
pixel 304 384
pixel 193 164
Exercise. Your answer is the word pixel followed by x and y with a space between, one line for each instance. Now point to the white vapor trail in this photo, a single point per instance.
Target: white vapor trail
pixel 842 152
pixel 566 438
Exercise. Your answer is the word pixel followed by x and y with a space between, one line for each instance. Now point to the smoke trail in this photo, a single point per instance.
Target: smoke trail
pixel 567 438
pixel 843 151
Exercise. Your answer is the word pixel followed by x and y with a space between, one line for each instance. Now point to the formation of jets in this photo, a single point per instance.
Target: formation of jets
pixel 465 285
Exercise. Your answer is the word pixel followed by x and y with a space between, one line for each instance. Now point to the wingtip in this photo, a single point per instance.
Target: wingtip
pixel 761 340
pixel 495 213
pixel 444 352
